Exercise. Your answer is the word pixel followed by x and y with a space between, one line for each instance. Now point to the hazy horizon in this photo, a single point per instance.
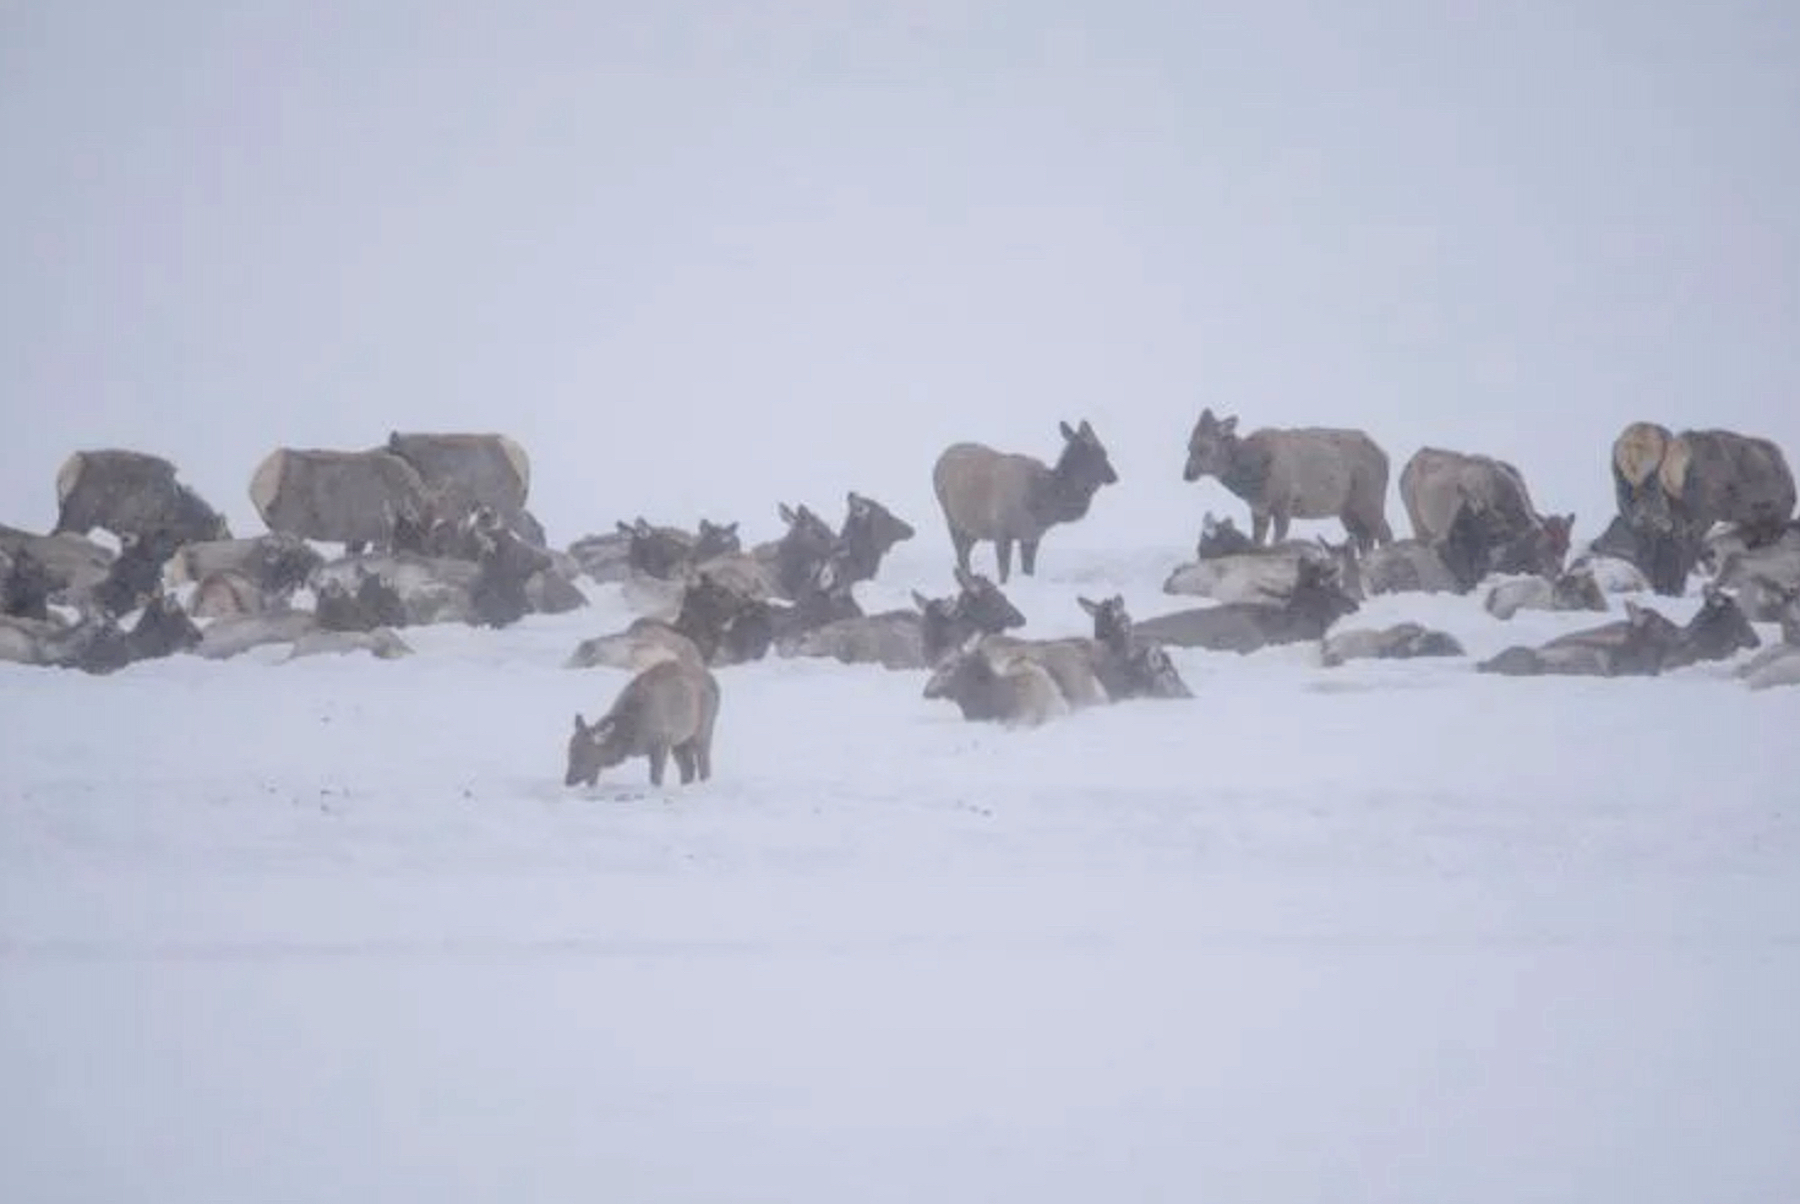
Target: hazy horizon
pixel 700 260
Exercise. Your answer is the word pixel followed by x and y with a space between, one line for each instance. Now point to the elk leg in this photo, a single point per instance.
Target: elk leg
pixel 1281 525
pixel 1003 558
pixel 703 757
pixel 963 544
pixel 1259 527
pixel 684 762
pixel 1028 556
pixel 659 757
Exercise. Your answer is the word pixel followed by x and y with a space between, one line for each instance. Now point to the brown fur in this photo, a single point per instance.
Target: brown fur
pixel 1005 498
pixel 1301 472
pixel 669 708
pixel 352 498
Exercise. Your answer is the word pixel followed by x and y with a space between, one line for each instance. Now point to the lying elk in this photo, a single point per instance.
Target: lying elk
pixel 1576 589
pixel 1644 643
pixel 1305 472
pixel 1220 537
pixel 669 709
pixel 715 626
pixel 1402 641
pixel 97 644
pixel 869 533
pixel 1263 574
pixel 1014 691
pixel 1779 664
pixel 1130 667
pixel 913 639
pixel 1317 601
pixel 663 550
pixel 1006 498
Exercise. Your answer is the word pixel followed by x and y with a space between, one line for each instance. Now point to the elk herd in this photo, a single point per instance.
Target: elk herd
pixel 434 528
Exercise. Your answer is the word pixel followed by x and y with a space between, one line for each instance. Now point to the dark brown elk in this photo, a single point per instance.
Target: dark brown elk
pixel 1302 472
pixel 131 493
pixel 669 709
pixel 1006 498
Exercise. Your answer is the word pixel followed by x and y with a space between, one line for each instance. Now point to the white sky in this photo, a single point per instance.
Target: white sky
pixel 703 257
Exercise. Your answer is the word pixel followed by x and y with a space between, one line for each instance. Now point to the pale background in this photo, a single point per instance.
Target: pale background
pixel 703 257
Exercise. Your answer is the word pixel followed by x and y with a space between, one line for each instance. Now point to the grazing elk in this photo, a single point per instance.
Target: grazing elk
pixel 1317 601
pixel 353 498
pixel 1402 641
pixel 668 709
pixel 131 494
pixel 1435 484
pixel 1016 691
pixel 1130 667
pixel 1008 498
pixel 1304 472
pixel 913 639
pixel 1672 488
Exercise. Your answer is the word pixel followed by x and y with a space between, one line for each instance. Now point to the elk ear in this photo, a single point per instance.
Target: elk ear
pixel 1087 604
pixel 641 527
pixel 728 528
pixel 1086 429
pixel 921 601
pixel 1207 418
pixel 787 513
pixel 1229 426
pixel 625 528
pixel 1068 432
pixel 580 726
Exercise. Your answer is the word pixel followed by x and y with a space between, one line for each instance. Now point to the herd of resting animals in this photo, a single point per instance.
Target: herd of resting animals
pixel 434 528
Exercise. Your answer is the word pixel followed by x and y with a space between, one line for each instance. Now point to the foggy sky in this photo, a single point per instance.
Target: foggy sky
pixel 701 258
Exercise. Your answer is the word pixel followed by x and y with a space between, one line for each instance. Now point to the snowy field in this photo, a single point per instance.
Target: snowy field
pixel 333 930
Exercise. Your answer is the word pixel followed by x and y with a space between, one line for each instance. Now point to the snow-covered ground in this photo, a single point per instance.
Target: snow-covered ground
pixel 333 930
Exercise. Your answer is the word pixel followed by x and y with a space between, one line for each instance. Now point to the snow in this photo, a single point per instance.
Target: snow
pixel 334 930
